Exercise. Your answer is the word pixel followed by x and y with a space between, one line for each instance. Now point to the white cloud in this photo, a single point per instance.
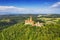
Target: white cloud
pixel 13 9
pixel 56 5
pixel 10 9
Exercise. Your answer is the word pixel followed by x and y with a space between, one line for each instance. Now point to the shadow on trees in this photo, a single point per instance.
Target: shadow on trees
pixel 4 25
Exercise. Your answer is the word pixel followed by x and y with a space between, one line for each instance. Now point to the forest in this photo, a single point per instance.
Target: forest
pixel 12 27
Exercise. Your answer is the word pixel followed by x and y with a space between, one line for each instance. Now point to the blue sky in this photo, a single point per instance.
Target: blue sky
pixel 29 6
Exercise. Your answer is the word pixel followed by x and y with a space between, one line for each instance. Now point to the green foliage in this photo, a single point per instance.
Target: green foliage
pixel 20 31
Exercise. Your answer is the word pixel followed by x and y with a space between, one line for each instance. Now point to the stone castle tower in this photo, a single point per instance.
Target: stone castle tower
pixel 29 21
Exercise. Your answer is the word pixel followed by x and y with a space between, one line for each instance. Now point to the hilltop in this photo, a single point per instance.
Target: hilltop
pixel 28 32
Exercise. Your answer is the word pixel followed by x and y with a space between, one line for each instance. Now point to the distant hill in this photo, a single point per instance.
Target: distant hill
pixel 34 15
pixel 50 15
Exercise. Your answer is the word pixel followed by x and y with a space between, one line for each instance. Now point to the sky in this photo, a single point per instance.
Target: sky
pixel 29 6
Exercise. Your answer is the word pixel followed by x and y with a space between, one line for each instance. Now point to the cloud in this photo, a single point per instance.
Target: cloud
pixel 56 5
pixel 13 9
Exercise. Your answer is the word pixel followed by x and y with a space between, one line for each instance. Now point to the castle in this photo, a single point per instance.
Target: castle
pixel 31 22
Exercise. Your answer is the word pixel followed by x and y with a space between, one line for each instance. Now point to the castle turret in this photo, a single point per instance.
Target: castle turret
pixel 30 18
